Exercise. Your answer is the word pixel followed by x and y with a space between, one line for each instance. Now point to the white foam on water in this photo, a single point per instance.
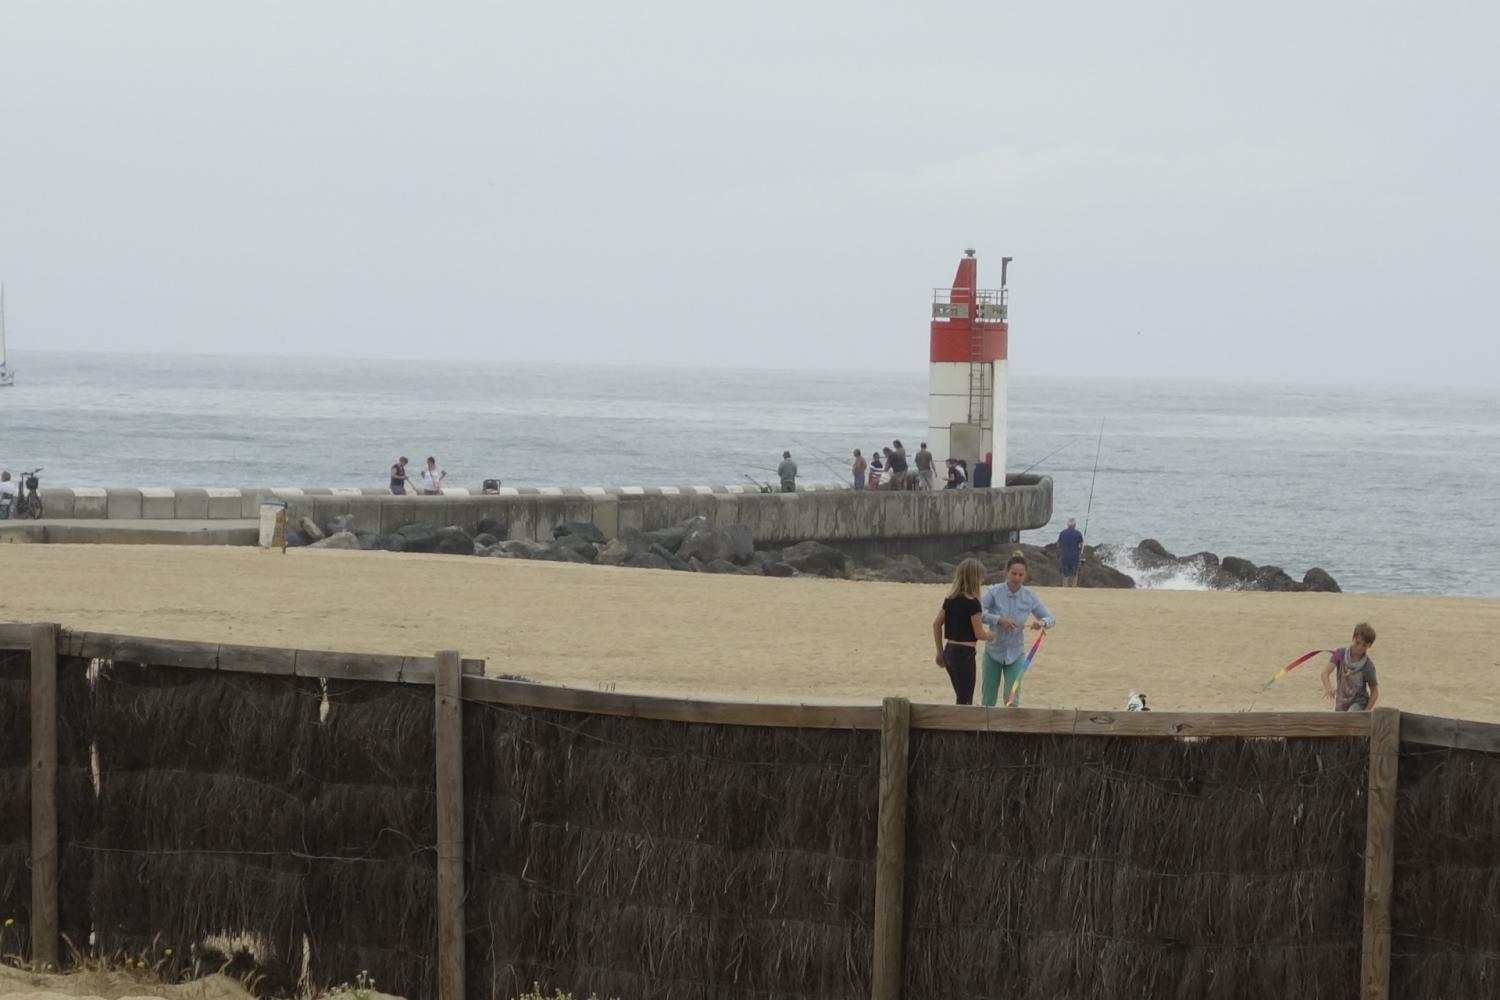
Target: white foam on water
pixel 1191 575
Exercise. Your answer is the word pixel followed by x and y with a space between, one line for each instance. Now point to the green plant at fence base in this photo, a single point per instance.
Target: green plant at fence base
pixel 537 993
pixel 360 989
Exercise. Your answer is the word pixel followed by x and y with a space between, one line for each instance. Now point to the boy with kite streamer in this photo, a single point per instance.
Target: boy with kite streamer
pixel 1357 690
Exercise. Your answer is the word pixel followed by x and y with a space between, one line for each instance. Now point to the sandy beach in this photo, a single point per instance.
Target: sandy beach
pixel 749 638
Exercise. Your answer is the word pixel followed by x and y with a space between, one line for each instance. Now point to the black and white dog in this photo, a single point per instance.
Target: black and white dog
pixel 1137 702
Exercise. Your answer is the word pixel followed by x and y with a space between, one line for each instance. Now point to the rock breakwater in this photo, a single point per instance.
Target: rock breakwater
pixel 696 545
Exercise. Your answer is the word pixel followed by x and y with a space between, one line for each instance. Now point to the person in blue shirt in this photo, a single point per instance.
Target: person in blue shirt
pixel 1005 608
pixel 1070 553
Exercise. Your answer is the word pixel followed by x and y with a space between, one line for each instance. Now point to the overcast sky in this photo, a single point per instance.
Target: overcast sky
pixel 1281 190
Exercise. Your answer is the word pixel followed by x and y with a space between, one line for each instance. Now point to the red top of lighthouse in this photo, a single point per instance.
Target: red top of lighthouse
pixel 969 323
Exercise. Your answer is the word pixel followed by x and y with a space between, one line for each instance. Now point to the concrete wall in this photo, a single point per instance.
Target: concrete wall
pixel 922 522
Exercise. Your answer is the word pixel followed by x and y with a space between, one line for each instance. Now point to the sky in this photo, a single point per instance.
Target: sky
pixel 1267 191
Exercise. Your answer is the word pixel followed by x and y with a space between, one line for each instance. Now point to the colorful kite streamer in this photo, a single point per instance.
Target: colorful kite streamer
pixel 1010 696
pixel 1295 664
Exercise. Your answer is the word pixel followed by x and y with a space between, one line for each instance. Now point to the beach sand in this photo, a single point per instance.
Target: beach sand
pixel 753 638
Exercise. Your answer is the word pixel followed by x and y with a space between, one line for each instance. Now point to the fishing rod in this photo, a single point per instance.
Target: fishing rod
pixel 825 459
pixel 1049 454
pixel 1092 480
pixel 763 487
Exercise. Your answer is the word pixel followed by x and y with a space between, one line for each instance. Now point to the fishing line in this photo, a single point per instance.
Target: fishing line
pixel 1049 454
pixel 1093 479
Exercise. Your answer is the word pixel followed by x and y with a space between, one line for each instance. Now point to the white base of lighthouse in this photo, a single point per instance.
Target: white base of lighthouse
pixel 966 413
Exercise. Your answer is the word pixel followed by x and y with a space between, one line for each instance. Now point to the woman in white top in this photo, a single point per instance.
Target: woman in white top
pixel 432 478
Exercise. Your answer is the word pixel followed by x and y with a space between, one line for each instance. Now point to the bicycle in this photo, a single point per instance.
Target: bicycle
pixel 28 501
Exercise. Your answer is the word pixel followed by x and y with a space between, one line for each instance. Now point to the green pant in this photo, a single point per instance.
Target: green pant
pixel 994 673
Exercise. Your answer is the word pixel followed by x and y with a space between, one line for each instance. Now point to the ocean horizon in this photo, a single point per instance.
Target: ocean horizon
pixel 1384 487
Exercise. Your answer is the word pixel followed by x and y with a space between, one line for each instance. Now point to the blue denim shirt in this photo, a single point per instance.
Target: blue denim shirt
pixel 998 602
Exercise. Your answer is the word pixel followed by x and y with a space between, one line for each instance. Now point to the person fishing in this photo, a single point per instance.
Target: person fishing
pixel 787 473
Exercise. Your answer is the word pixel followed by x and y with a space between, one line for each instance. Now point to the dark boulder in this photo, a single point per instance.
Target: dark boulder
pixel 720 566
pixel 780 569
pixel 1151 554
pixel 816 559
pixel 492 526
pixel 669 557
pixel 391 543
pixel 1237 569
pixel 671 538
pixel 580 530
pixel 1317 579
pixel 647 560
pixel 1274 578
pixel 518 548
pixel 452 541
pixel 484 539
pixel 707 543
pixel 578 545
pixel 418 537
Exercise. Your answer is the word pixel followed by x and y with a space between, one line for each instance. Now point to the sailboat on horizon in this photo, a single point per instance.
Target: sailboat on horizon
pixel 7 374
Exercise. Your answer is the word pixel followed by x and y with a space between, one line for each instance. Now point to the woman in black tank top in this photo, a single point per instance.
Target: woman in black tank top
pixel 958 628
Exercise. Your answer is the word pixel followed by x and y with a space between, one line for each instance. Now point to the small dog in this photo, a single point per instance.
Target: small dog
pixel 1137 702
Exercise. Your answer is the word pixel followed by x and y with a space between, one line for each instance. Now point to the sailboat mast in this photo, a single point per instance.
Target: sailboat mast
pixel 7 377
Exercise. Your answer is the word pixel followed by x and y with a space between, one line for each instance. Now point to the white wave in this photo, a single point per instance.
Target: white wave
pixel 1191 574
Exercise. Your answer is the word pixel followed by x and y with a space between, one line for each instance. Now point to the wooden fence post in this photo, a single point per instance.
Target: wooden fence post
pixel 1380 854
pixel 44 927
pixel 890 849
pixel 448 721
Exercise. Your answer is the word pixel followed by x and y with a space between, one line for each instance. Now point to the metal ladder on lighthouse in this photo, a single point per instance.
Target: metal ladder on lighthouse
pixel 979 377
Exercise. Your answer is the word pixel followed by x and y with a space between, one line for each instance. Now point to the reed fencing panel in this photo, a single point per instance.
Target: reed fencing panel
pixel 284 803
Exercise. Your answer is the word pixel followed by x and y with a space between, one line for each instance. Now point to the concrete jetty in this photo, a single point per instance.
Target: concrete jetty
pixel 928 524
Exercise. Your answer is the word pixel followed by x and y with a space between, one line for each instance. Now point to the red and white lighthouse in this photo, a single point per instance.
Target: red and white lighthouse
pixel 968 376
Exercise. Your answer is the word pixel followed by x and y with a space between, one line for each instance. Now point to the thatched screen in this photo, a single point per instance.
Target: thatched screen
pixel 370 829
pixel 276 815
pixel 1445 934
pixel 646 859
pixel 1099 867
pixel 15 801
pixel 202 801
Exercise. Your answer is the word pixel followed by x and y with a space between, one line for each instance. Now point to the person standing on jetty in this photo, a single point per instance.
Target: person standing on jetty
pixel 398 476
pixel 924 467
pixel 1006 607
pixel 958 627
pixel 895 464
pixel 859 470
pixel 432 478
pixel 876 470
pixel 1357 689
pixel 787 473
pixel 1070 553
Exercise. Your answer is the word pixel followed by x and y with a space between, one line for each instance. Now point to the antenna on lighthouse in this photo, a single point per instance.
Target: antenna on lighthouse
pixel 971 252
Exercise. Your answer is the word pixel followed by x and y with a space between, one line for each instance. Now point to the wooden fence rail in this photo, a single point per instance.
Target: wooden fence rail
pixel 455 680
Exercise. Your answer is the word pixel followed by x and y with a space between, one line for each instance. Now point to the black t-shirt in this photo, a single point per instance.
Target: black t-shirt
pixel 958 618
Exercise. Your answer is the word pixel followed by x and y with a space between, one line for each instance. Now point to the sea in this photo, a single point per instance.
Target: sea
pixel 1388 488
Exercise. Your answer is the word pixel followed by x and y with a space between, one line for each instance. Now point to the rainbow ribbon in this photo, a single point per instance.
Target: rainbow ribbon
pixel 1010 696
pixel 1295 664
